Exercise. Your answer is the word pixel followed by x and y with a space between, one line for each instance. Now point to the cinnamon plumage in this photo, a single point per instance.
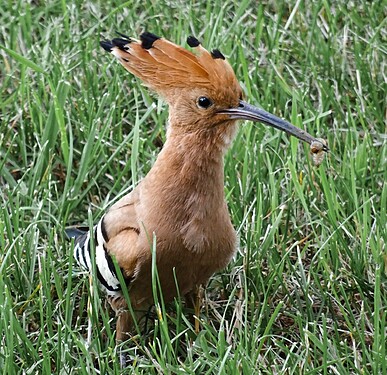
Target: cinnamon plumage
pixel 181 201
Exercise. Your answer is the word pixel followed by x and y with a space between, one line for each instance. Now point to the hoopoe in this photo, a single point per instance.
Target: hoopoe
pixel 181 201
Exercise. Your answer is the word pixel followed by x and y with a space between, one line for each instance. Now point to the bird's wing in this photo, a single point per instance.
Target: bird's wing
pixel 115 236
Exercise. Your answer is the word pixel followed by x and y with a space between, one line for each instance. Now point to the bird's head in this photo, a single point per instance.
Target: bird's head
pixel 200 87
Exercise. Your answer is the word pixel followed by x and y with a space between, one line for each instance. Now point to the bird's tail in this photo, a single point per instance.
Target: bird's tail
pixel 75 232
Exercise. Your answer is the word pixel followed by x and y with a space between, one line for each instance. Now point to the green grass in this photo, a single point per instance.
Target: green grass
pixel 306 292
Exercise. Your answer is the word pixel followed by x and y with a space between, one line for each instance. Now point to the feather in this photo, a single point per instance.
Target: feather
pixel 75 232
pixel 164 66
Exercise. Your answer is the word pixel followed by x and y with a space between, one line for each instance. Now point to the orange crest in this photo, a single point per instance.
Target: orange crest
pixel 164 66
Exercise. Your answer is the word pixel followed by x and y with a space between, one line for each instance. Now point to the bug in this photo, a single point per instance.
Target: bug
pixel 317 149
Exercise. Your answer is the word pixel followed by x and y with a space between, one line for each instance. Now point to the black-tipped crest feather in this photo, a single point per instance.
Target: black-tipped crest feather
pixel 106 45
pixel 192 41
pixel 121 43
pixel 216 54
pixel 124 36
pixel 147 39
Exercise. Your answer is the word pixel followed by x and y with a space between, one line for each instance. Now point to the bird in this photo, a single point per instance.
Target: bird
pixel 180 203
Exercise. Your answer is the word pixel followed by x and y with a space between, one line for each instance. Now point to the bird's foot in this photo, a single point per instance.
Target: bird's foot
pixel 124 358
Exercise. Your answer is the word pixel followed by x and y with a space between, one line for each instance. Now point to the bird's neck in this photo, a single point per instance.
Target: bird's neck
pixel 185 192
pixel 197 157
pixel 188 173
pixel 191 162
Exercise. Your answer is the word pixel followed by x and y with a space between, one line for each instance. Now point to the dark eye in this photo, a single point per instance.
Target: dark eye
pixel 204 102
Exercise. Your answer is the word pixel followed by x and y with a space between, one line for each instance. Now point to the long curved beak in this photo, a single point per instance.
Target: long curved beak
pixel 247 111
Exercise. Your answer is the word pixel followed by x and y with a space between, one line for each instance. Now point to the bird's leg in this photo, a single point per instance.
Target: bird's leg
pixel 124 325
pixel 193 300
pixel 123 328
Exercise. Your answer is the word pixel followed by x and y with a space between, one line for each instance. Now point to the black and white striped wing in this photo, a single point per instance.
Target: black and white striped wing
pixel 104 265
